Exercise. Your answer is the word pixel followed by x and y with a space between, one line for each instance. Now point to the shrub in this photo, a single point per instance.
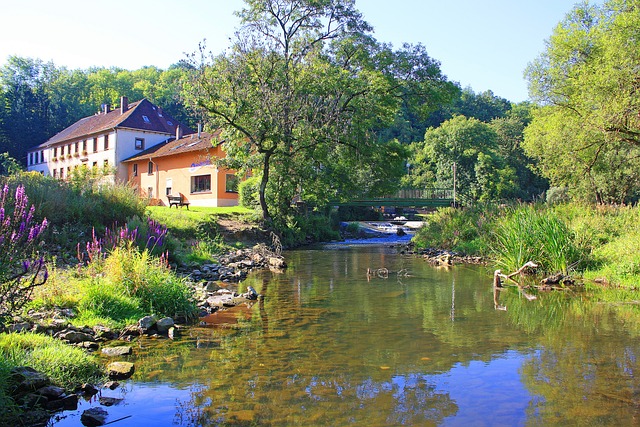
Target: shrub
pixel 248 192
pixel 21 268
pixel 107 304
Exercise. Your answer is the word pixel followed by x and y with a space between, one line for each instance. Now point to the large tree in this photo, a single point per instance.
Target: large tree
pixel 586 133
pixel 302 94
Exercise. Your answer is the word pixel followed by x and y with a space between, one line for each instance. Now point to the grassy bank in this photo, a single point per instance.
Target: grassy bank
pixel 598 243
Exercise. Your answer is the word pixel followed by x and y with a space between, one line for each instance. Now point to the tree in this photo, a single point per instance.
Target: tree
pixel 481 173
pixel 302 95
pixel 586 131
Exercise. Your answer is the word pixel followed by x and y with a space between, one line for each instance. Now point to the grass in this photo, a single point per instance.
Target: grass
pixel 65 365
pixel 593 241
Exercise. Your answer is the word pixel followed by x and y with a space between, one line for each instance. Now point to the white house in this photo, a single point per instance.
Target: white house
pixel 105 140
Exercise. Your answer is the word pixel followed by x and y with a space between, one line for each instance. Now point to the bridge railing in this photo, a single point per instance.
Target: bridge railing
pixel 431 197
pixel 428 193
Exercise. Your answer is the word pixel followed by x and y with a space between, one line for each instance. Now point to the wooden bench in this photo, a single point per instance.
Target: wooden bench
pixel 178 200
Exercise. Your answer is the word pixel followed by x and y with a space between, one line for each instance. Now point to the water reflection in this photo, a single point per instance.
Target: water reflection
pixel 329 345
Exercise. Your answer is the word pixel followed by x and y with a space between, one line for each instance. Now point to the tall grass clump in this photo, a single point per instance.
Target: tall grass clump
pixel 527 233
pixel 65 365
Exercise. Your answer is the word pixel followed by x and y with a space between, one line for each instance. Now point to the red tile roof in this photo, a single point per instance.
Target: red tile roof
pixel 158 121
pixel 186 144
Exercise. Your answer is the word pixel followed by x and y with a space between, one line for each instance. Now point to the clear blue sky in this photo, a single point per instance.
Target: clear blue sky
pixel 482 44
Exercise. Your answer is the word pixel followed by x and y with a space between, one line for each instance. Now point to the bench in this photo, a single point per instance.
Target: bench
pixel 178 200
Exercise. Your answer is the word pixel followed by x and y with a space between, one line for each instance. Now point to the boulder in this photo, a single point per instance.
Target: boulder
pixel 93 417
pixel 75 337
pixel 26 379
pixel 51 392
pixel 146 323
pixel 277 262
pixel 122 350
pixel 164 324
pixel 110 401
pixel 19 327
pixel 111 385
pixel 120 370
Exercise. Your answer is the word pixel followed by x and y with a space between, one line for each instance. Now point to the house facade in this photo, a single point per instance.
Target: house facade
pixel 184 167
pixel 105 140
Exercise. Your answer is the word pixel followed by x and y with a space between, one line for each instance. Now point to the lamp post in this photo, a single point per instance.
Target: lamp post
pixel 453 167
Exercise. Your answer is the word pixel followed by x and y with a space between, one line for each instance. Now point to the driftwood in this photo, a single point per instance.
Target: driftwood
pixel 497 283
pixel 383 273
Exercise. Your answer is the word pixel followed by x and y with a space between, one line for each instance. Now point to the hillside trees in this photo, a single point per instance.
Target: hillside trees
pixel 302 95
pixel 586 134
pixel 38 99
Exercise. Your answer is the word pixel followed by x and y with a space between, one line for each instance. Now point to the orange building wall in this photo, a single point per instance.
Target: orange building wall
pixel 180 168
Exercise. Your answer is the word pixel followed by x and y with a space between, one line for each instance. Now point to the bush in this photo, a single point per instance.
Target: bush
pixel 464 230
pixel 248 192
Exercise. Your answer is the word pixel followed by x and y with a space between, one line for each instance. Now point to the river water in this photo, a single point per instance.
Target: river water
pixel 409 344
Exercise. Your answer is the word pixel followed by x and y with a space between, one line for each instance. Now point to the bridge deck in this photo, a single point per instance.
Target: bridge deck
pixel 436 197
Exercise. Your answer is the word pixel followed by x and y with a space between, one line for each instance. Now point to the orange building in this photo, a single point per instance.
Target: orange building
pixel 184 167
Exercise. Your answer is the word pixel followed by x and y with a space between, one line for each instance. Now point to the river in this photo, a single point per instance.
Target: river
pixel 409 344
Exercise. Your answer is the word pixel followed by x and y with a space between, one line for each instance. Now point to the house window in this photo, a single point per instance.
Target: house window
pixel 146 119
pixel 168 191
pixel 95 164
pixel 134 171
pixel 150 192
pixel 150 168
pixel 55 151
pixel 200 183
pixel 84 145
pixel 77 146
pixel 106 165
pixel 106 142
pixel 231 184
pixel 169 186
pixel 55 173
pixel 61 173
pixel 139 143
pixel 95 145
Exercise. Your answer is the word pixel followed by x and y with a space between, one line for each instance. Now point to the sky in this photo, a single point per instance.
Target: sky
pixel 481 44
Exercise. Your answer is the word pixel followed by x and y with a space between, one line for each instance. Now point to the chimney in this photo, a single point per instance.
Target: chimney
pixel 178 132
pixel 199 129
pixel 106 108
pixel 124 104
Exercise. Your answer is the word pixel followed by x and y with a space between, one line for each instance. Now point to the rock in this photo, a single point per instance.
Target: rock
pixel 19 327
pixel 102 332
pixel 110 401
pixel 117 351
pixel 211 286
pixel 120 370
pixel 51 392
pixel 111 385
pixel 75 337
pixel 146 323
pixel 277 262
pixel 68 403
pixel 26 379
pixel 251 293
pixel 129 332
pixel 32 400
pixel 164 324
pixel 89 389
pixel 94 417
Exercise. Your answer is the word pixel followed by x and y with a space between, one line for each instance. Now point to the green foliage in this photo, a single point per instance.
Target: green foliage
pixel 92 204
pixel 302 103
pixel 463 230
pixel 107 304
pixel 586 133
pixel 248 192
pixel 65 365
pixel 8 165
pixel 147 279
pixel 530 233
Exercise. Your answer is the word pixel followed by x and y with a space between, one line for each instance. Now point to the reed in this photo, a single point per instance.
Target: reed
pixel 529 233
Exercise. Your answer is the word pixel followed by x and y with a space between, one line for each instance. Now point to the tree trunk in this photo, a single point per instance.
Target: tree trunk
pixel 263 188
